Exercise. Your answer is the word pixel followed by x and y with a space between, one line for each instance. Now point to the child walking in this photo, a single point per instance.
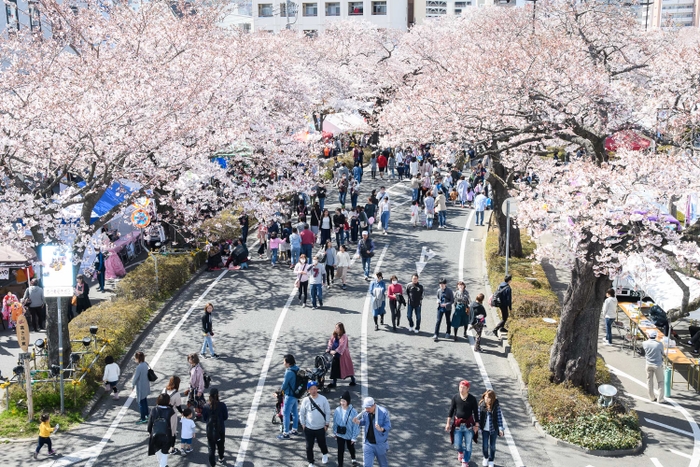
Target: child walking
pixel 111 376
pixel 415 214
pixel 45 435
pixel 491 421
pixel 187 433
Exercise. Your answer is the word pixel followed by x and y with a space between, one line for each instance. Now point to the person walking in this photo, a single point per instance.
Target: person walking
pixel 415 188
pixel 480 206
pixel 385 212
pixel 377 423
pixel 504 301
pixel 215 414
pixel 382 163
pixel 391 165
pixel 142 385
pixel 463 421
pixel 339 220
pixel 160 432
pixel 491 423
pixel 344 431
pixel 377 290
pixel 195 393
pixel 357 172
pixel 343 264
pixel 610 314
pixel 172 389
pixel 395 294
pixel 111 376
pixel 45 432
pixel 478 317
pixel 429 210
pixel 365 250
pixel 373 166
pixel 295 245
pixel 331 263
pixel 445 298
pixel 462 190
pixel 244 223
pixel 100 270
pixel 290 406
pixel 82 294
pixel 315 416
pixel 326 226
pixel 275 244
pixel 354 192
pixel 321 195
pixel 441 209
pixel 307 242
pixel 315 218
pixel 315 275
pixel 654 355
pixel 338 347
pixel 414 293
pixel 302 270
pixel 462 314
pixel 342 186
pixel 34 300
pixel 208 332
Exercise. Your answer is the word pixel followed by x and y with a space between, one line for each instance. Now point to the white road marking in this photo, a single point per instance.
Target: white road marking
pixel 656 462
pixel 515 454
pixel 364 366
pixel 695 458
pixel 682 454
pixel 668 427
pixel 250 422
pixel 93 452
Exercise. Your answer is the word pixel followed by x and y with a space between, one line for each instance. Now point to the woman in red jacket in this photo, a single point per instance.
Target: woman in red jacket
pixel 395 294
pixel 342 366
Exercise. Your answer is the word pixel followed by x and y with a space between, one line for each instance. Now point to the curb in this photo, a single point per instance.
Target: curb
pixel 515 368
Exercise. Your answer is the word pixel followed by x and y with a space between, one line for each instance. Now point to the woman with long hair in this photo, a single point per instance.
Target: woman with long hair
pixel 341 367
pixel 461 317
pixel 302 269
pixel 195 393
pixel 326 225
pixel 173 391
pixel 395 291
pixel 215 414
pixel 491 423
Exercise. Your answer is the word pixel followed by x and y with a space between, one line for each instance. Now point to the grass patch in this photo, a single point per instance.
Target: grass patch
pixel 119 321
pixel 564 412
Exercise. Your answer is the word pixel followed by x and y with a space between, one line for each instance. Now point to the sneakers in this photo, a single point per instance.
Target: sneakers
pixel 294 432
pixel 52 453
pixel 490 464
pixel 485 463
pixel 325 459
pixel 417 331
pixel 435 337
pixel 283 436
pixel 312 465
pixel 354 462
pixel 35 455
pixel 410 329
pixel 447 335
pixel 460 456
pixel 141 422
pixel 175 451
pixel 215 356
pixel 187 451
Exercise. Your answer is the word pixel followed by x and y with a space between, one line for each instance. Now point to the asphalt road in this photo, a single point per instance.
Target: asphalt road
pixel 256 322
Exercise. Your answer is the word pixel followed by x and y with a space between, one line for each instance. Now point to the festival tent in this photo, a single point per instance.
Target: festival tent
pixel 344 123
pixel 627 139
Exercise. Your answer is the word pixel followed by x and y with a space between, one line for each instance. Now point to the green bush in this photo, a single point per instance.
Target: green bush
pixel 564 412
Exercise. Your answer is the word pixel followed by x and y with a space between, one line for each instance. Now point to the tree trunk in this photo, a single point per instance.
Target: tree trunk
pixel 686 293
pixel 573 355
pixel 52 329
pixel 500 194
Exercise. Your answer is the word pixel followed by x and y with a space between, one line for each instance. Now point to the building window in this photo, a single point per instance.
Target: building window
pixel 310 9
pixel 245 27
pixel 12 15
pixel 356 8
pixel 379 8
pixel 332 9
pixel 311 33
pixel 435 8
pixel 292 9
pixel 264 10
pixel 34 16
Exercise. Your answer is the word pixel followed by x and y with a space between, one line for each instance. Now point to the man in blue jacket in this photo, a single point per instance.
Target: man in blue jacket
pixel 377 425
pixel 291 404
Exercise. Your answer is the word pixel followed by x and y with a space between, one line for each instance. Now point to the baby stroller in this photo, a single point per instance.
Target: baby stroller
pixel 322 365
pixel 279 406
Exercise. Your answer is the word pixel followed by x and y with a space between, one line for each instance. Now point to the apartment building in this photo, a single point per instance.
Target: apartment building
pixel 312 16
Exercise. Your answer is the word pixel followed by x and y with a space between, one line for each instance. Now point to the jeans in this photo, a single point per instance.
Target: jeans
pixel 317 291
pixel 409 314
pixel 143 408
pixel 339 236
pixel 290 408
pixel 371 451
pixel 463 441
pixel 479 217
pixel 488 444
pixel 341 197
pixel 295 255
pixel 385 220
pixel 318 436
pixel 322 202
pixel 415 195
pixel 392 173
pixel 608 329
pixel 353 200
pixel 366 266
pixel 275 252
pixel 429 220
pixel 442 218
pixel 440 312
pixel 308 251
pixel 207 343
pixel 244 233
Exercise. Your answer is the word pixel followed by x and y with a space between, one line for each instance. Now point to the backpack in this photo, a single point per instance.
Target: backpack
pixel 658 316
pixel 160 424
pixel 495 299
pixel 207 380
pixel 300 384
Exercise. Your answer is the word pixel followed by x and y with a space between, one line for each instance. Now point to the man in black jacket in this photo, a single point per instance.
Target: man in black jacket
pixel 445 298
pixel 207 331
pixel 504 294
pixel 414 292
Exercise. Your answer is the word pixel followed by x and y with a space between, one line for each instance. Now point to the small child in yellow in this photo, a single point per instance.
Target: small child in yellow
pixel 45 431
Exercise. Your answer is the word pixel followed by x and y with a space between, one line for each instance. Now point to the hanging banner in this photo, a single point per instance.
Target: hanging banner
pixel 57 271
pixel 4 274
pixel 140 218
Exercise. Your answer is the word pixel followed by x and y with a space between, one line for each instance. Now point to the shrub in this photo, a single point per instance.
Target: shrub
pixel 564 411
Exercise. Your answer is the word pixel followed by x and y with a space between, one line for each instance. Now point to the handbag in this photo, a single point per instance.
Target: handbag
pixel 107 387
pixel 341 430
pixel 296 284
pixel 152 374
pixel 74 300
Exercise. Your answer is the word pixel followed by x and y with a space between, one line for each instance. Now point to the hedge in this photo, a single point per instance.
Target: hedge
pixel 137 298
pixel 563 411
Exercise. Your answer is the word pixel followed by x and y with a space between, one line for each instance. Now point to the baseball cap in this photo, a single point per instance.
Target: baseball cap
pixel 464 382
pixel 367 403
pixel 311 383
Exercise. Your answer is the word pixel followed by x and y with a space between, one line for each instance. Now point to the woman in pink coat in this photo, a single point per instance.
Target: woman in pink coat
pixel 342 362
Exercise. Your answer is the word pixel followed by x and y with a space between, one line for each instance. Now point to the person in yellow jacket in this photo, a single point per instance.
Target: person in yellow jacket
pixel 45 432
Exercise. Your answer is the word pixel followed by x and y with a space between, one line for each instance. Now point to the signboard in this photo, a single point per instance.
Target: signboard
pixel 22 332
pixel 4 274
pixel 57 271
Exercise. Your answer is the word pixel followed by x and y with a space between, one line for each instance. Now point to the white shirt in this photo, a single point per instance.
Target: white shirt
pixel 326 223
pixel 316 273
pixel 610 308
pixel 343 259
pixel 385 206
pixel 188 427
pixel 414 168
pixel 480 202
pixel 112 373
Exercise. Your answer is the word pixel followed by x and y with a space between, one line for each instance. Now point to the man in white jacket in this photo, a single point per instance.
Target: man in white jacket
pixel 315 417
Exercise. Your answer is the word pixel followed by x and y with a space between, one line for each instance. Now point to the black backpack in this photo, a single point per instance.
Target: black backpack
pixel 658 316
pixel 300 383
pixel 160 424
pixel 207 380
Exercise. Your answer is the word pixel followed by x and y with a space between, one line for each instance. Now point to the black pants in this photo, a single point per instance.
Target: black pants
pixel 330 274
pixel 38 317
pixel 341 450
pixel 318 436
pixel 42 441
pixel 695 336
pixel 504 315
pixel 395 308
pixel 304 287
pixel 215 444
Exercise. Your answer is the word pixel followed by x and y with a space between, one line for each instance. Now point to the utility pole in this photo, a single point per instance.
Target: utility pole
pixel 289 26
